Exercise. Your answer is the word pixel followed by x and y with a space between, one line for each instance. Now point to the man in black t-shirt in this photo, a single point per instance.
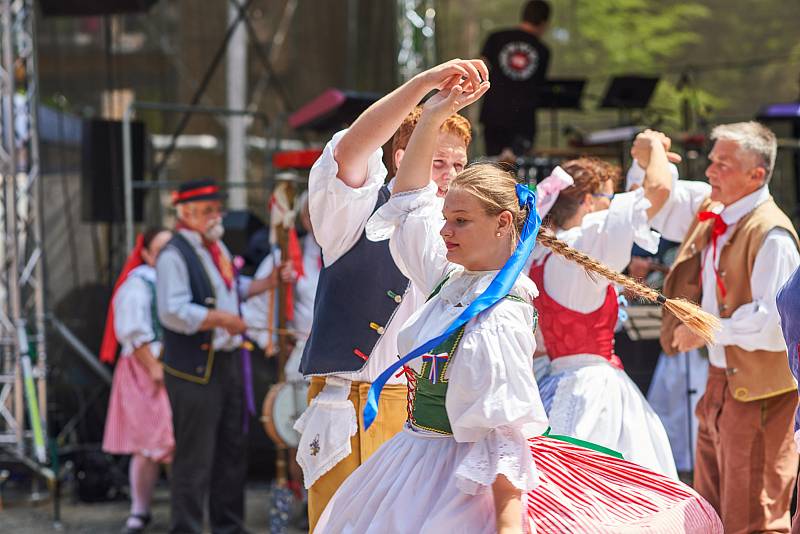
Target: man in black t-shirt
pixel 518 62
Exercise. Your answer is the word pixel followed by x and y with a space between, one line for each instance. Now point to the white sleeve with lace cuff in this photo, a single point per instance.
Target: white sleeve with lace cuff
pixel 503 451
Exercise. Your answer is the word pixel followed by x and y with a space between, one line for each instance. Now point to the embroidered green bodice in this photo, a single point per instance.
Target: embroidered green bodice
pixel 426 397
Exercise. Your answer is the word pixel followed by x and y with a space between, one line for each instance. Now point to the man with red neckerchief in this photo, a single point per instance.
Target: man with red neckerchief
pixel 738 249
pixel 205 372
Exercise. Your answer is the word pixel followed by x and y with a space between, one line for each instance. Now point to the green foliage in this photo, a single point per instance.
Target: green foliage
pixel 624 35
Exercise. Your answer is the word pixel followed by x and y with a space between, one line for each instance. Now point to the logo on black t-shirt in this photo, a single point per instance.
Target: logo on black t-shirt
pixel 518 60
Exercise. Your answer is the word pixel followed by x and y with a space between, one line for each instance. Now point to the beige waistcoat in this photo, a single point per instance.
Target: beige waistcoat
pixel 752 375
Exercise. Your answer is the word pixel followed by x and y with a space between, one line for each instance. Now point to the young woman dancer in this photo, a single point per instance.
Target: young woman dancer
pixel 587 394
pixel 139 420
pixel 472 455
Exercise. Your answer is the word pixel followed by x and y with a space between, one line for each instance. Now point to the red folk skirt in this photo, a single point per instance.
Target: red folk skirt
pixel 139 419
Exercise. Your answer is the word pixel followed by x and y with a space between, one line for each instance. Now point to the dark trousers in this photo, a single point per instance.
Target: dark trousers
pixel 519 140
pixel 210 449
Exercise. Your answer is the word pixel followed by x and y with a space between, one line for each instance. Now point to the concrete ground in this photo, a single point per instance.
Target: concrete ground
pixel 22 517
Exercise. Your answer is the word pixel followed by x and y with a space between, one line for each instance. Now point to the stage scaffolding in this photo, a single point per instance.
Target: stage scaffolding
pixel 23 393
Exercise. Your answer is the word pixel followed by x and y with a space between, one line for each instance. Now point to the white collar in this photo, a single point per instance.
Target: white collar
pixel 733 213
pixel 464 286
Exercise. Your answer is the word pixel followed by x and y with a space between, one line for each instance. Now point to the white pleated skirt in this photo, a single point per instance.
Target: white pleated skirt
pixel 408 486
pixel 589 399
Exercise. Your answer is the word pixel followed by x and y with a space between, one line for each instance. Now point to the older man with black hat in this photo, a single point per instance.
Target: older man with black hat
pixel 198 303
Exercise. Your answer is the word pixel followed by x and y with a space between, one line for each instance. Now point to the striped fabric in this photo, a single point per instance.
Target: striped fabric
pixel 139 419
pixel 588 492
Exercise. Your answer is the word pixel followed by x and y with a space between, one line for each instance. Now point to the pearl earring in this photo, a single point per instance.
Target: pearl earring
pixel 498 234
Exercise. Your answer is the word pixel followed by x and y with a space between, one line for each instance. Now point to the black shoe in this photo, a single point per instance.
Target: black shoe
pixel 143 518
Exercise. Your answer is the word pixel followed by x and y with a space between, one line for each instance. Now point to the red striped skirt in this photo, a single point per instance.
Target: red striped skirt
pixel 139 419
pixel 585 491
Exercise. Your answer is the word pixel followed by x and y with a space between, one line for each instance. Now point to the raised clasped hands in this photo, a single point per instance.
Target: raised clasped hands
pixel 650 140
pixel 455 72
pixel 459 84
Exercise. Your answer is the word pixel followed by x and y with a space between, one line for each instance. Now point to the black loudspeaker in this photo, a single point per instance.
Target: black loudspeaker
pixel 102 184
pixel 81 8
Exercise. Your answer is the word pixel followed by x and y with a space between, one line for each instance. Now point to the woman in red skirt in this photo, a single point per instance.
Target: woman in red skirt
pixel 139 420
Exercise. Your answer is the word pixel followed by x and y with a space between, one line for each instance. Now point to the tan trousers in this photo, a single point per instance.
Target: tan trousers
pixel 746 459
pixel 392 414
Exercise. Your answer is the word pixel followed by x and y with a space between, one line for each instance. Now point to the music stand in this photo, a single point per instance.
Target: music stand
pixel 629 92
pixel 625 93
pixel 559 93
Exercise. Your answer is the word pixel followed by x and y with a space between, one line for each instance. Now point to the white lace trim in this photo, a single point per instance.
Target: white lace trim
pixel 563 413
pixel 324 420
pixel 504 451
pixel 463 287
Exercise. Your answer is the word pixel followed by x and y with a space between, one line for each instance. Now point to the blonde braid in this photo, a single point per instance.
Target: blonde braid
pixel 701 322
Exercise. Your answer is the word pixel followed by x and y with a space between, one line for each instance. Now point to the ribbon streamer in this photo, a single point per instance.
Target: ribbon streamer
pixel 498 289
pixel 435 360
pixel 245 355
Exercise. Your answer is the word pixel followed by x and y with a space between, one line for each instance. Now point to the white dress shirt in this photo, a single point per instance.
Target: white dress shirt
pixel 256 311
pixel 339 214
pixel 175 307
pixel 755 325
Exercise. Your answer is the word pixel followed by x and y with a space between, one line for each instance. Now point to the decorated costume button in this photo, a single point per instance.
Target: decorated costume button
pixel 394 296
pixel 378 328
pixel 741 393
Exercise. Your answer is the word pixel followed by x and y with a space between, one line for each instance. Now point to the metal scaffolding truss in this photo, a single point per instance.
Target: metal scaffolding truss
pixel 23 394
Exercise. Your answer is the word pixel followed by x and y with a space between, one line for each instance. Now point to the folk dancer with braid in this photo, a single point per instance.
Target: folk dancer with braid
pixel 205 371
pixel 587 394
pixel 362 297
pixel 139 420
pixel 738 249
pixel 472 456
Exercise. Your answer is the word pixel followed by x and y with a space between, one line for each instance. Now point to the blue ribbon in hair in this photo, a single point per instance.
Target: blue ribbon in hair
pixel 498 289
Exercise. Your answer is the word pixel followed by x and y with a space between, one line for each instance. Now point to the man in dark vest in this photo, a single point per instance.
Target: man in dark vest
pixel 198 302
pixel 362 298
